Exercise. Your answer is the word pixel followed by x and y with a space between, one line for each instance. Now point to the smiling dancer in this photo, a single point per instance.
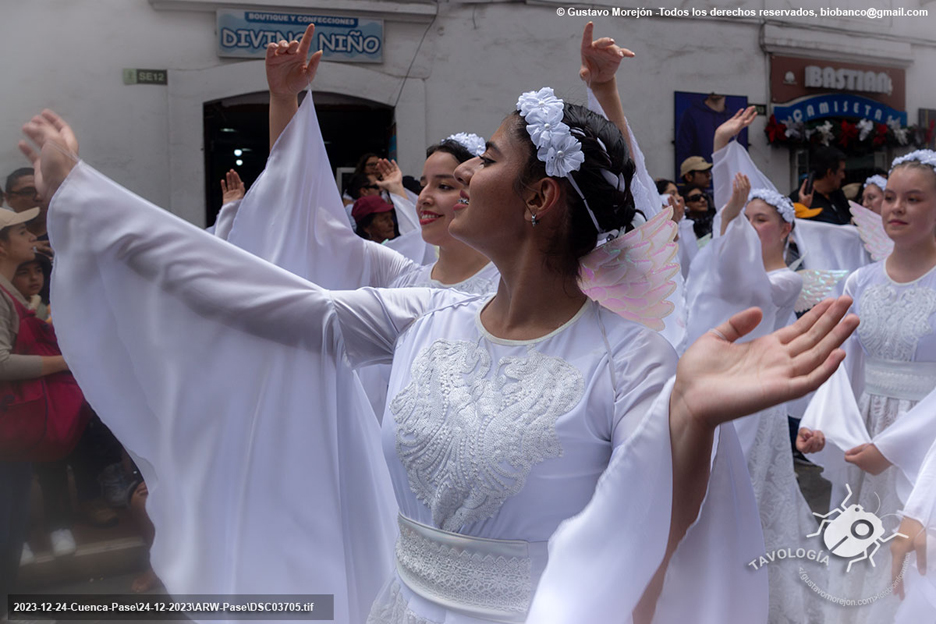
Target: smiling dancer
pixel 867 409
pixel 301 231
pixel 532 416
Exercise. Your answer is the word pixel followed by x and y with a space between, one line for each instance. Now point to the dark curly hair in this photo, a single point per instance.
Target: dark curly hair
pixel 456 149
pixel 604 148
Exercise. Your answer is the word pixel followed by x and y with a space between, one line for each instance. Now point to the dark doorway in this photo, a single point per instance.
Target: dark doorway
pixel 236 129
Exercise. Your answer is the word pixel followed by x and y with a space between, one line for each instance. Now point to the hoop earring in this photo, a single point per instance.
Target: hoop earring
pixel 533 220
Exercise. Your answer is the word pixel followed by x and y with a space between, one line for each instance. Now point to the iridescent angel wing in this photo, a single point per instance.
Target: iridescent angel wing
pixel 871 228
pixel 632 275
pixel 817 285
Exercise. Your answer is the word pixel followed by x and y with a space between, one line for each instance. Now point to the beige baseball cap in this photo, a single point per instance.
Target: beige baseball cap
pixel 8 217
pixel 694 163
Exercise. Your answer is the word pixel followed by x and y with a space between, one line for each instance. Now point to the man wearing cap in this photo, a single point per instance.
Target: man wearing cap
pixel 696 174
pixel 374 219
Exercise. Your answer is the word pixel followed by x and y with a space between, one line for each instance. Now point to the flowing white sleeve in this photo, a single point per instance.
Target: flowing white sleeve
pixel 907 442
pixel 830 247
pixel 920 602
pixel 614 546
pixel 726 277
pixel 227 379
pixel 688 246
pixel 921 504
pixel 293 216
pixel 407 218
pixel 225 219
pixel 728 161
pixel 834 409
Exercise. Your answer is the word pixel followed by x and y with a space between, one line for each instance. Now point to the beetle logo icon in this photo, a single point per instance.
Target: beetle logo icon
pixel 854 533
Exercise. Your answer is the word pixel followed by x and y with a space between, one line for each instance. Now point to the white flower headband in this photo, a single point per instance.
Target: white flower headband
pixel 470 141
pixel 927 157
pixel 555 145
pixel 876 180
pixel 782 204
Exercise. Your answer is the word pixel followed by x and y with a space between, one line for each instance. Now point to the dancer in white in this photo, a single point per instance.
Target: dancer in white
pixel 293 215
pixel 744 265
pixel 306 225
pixel 872 193
pixel 867 410
pixel 505 412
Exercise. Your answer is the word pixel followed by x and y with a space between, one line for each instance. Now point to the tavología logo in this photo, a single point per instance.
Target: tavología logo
pixel 854 533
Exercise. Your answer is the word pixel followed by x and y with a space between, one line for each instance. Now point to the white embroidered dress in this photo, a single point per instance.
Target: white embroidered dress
pixel 228 379
pixel 891 365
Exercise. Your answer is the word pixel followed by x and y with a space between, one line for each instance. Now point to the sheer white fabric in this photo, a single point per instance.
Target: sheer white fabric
pixel 920 602
pixel 688 246
pixel 208 377
pixel 223 376
pixel 830 247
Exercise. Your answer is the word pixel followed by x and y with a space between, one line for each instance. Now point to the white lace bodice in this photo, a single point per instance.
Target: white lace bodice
pixel 469 434
pixel 897 320
pixel 481 430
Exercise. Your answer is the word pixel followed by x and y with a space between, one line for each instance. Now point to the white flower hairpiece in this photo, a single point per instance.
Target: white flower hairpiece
pixel 927 157
pixel 555 144
pixel 876 180
pixel 782 204
pixel 470 141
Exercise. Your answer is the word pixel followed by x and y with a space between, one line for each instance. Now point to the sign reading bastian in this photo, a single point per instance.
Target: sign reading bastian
pixel 245 34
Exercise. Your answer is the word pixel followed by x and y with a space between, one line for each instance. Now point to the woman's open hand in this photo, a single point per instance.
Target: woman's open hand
pixel 719 379
pixel 287 71
pixel 741 120
pixel 912 538
pixel 868 458
pixel 232 187
pixel 809 441
pixel 58 151
pixel 600 57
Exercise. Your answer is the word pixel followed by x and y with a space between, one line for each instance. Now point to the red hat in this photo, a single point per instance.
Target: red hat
pixel 369 205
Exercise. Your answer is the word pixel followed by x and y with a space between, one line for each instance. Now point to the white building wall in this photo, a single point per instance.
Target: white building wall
pixel 475 60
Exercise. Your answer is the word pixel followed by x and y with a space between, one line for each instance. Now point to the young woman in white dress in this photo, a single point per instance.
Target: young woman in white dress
pixel 867 409
pixel 534 415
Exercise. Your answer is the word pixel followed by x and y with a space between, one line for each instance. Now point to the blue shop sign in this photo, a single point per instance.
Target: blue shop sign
pixel 838 105
pixel 245 34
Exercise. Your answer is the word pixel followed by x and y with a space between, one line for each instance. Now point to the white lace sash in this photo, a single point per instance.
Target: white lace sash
pixel 899 380
pixel 483 578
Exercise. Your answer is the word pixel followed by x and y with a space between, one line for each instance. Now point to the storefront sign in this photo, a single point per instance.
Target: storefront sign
pixel 246 34
pixel 838 105
pixel 793 78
